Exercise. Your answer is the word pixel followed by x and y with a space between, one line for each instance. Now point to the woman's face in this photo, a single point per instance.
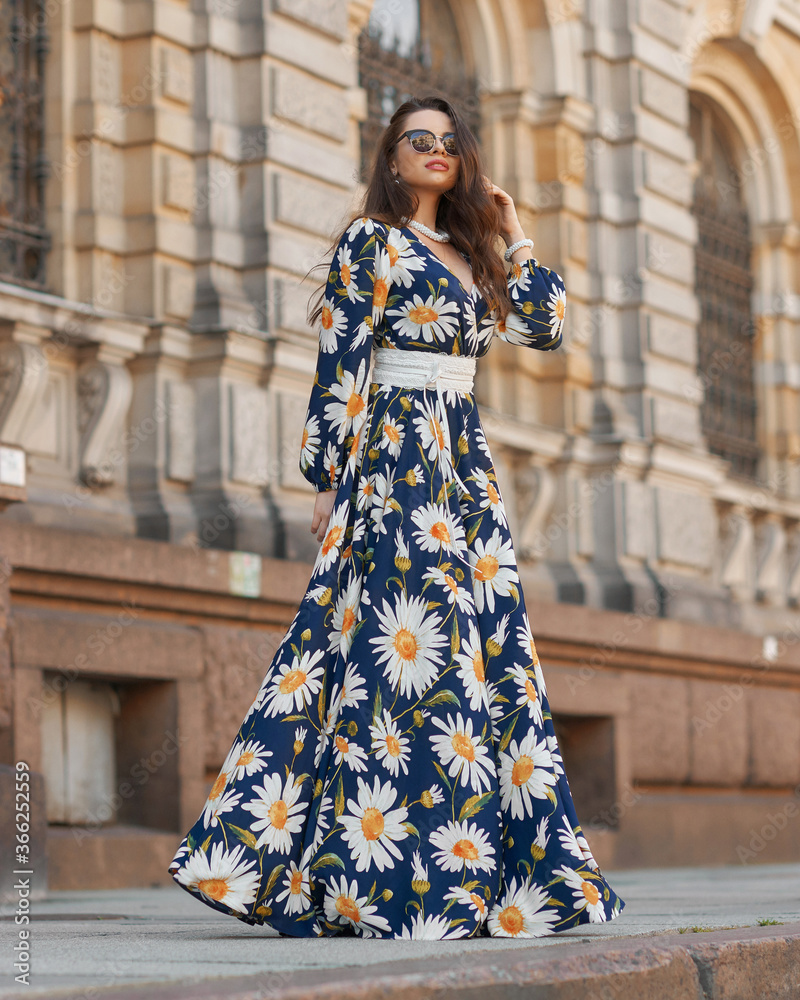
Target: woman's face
pixel 433 171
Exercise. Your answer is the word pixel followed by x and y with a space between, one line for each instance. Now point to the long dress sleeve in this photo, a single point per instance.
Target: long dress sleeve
pixel 353 306
pixel 540 301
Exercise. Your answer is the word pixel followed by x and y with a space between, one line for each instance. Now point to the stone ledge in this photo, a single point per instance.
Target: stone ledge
pixel 735 964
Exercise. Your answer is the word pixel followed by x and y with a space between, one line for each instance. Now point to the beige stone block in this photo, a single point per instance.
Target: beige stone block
pixel 661 18
pixel 663 96
pixel 178 291
pixel 718 733
pixel 290 300
pixel 75 644
pixel 669 258
pixel 673 420
pixel 308 205
pixel 236 661
pixel 106 61
pixel 177 82
pixel 637 500
pixel 181 431
pixel 667 176
pixel 248 430
pixel 309 102
pixel 686 528
pixel 291 421
pixel 659 734
pixel 325 15
pixel 671 339
pixel 177 182
pixel 774 736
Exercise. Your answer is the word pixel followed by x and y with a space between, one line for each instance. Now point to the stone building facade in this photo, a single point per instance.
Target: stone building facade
pixel 183 166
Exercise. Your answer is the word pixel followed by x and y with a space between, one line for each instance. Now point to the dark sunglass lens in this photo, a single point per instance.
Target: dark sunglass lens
pixel 450 145
pixel 422 141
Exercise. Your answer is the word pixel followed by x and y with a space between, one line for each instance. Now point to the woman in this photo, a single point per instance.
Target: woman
pixel 397 774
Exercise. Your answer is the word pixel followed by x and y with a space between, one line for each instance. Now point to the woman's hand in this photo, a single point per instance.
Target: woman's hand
pixel 510 228
pixel 323 507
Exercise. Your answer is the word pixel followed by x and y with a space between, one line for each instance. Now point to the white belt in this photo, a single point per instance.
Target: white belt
pixel 424 370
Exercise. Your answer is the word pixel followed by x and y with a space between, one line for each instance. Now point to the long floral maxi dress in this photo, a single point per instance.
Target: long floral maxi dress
pixel 397 774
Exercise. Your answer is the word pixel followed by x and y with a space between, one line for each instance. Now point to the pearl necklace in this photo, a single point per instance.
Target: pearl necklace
pixel 439 237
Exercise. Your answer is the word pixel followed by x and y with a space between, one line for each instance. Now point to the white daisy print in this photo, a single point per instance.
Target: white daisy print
pixel 213 810
pixel 454 592
pixel 519 279
pixel 474 900
pixel 528 694
pixel 345 617
pixel 243 758
pixel 348 412
pixel 490 497
pixel 353 689
pixel 330 549
pixel 332 462
pixel 558 306
pixel 372 827
pixel 296 889
pixel 525 774
pixel 492 569
pixel 587 894
pixel 472 669
pixel 522 912
pixel 433 928
pixel 347 273
pixel 277 812
pixel 568 840
pixel 310 442
pixel 293 686
pixel 222 877
pixel 429 319
pixel 392 437
pixel 347 751
pixel 462 751
pixel 463 846
pixel 332 323
pixel 437 531
pixel 409 644
pixel 345 905
pixel 402 259
pixel 390 746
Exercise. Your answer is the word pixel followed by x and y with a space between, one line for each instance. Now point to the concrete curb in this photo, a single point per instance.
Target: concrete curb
pixel 749 963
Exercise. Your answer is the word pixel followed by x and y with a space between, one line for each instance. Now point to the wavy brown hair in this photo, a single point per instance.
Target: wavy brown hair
pixel 467 212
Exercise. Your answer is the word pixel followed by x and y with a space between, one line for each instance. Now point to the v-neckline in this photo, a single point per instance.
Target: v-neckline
pixel 437 257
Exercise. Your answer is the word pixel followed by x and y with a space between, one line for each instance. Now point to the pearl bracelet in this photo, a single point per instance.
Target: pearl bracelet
pixel 517 246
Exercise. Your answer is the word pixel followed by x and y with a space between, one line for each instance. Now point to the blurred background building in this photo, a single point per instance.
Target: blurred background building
pixel 169 172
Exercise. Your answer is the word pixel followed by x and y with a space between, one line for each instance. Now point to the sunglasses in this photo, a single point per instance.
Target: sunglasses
pixel 424 141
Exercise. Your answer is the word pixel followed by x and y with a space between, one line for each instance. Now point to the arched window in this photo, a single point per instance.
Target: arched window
pixel 724 282
pixel 411 48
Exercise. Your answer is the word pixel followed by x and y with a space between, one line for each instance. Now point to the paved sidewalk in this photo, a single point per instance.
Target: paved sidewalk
pixel 148 943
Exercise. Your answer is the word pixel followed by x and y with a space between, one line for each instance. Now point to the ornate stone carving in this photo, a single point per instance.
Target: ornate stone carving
pixel 537 493
pixel 23 381
pixel 104 395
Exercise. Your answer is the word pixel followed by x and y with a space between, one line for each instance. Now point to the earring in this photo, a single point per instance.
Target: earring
pixel 396 178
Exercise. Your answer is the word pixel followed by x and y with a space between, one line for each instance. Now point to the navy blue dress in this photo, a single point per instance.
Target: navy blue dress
pixel 397 774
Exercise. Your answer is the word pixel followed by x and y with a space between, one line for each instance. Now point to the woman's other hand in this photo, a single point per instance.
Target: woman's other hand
pixel 323 507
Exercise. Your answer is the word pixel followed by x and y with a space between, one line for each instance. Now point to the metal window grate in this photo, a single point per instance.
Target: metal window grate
pixel 724 283
pixel 24 44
